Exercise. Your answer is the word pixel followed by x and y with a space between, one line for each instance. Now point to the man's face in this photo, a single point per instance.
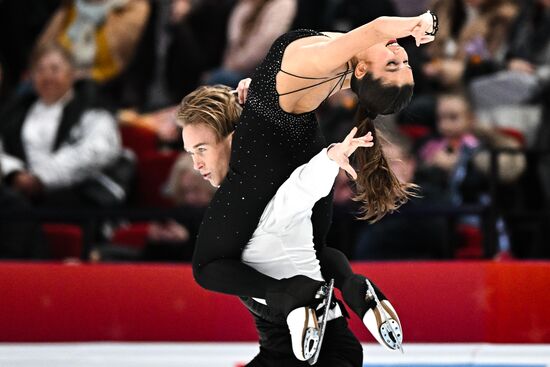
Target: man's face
pixel 52 77
pixel 210 157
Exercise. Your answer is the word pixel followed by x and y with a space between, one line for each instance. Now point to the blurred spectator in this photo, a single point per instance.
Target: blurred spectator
pixel 530 40
pixel 406 234
pixel 253 26
pixel 472 32
pixel 21 22
pixel 508 195
pixel 56 142
pixel 447 156
pixel 186 186
pixel 470 42
pixel 182 40
pixel 459 162
pixel 172 239
pixel 101 35
pixel 527 71
pixel 18 239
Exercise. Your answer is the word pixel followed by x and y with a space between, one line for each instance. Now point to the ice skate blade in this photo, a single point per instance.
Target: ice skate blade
pixel 311 342
pixel 326 292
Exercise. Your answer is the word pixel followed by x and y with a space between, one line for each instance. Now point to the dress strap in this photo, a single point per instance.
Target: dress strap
pixel 340 76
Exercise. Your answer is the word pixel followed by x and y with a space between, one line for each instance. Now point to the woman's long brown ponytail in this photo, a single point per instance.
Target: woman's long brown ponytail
pixel 377 187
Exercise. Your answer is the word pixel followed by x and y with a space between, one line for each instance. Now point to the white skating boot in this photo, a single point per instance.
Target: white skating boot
pixel 382 321
pixel 306 331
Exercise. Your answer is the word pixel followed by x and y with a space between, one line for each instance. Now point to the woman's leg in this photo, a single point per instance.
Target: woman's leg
pixel 227 226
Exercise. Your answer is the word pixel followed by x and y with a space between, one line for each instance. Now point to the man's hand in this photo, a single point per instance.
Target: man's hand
pixel 340 152
pixel 27 184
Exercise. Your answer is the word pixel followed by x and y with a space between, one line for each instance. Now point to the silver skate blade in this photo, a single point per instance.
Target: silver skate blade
pixel 391 334
pixel 328 301
pixel 311 342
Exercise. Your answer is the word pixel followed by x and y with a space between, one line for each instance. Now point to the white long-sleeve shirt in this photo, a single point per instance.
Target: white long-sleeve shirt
pixel 93 143
pixel 282 244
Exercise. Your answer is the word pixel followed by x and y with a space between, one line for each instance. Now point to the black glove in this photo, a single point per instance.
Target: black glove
pixel 354 291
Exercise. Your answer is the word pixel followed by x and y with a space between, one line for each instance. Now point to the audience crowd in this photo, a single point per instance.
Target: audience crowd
pixel 89 88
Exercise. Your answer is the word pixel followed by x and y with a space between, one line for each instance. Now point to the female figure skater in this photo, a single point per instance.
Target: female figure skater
pixel 278 132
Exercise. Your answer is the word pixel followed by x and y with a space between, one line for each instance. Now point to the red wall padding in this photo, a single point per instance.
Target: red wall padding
pixel 437 302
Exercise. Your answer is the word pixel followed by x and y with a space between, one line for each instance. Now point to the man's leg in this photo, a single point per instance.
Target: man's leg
pixel 275 346
pixel 340 347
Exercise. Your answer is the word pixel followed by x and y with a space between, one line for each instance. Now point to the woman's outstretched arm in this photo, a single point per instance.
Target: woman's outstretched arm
pixel 324 56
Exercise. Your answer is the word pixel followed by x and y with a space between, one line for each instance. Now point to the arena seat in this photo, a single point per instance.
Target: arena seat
pixel 133 235
pixel 140 140
pixel 153 171
pixel 65 240
pixel 471 242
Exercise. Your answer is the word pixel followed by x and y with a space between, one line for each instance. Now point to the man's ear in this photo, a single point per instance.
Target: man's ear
pixel 230 138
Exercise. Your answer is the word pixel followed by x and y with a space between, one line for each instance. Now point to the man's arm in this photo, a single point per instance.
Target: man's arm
pixel 312 181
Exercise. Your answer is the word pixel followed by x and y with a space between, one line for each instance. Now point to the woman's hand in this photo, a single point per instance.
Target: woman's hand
pixel 425 25
pixel 242 90
pixel 423 28
pixel 340 152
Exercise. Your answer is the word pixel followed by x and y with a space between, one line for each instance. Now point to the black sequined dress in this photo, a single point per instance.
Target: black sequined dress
pixel 268 145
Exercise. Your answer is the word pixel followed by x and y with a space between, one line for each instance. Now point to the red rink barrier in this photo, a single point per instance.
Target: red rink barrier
pixel 437 302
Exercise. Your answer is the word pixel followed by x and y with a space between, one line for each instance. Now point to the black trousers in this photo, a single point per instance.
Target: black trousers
pixel 340 347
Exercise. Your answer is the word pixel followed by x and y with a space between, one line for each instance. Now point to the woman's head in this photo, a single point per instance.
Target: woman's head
pixel 52 72
pixel 383 82
pixel 382 78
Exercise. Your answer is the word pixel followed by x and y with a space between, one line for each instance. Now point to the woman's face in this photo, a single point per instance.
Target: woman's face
pixel 52 76
pixel 388 61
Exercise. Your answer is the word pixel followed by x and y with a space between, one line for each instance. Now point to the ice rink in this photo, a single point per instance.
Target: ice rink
pixel 237 354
